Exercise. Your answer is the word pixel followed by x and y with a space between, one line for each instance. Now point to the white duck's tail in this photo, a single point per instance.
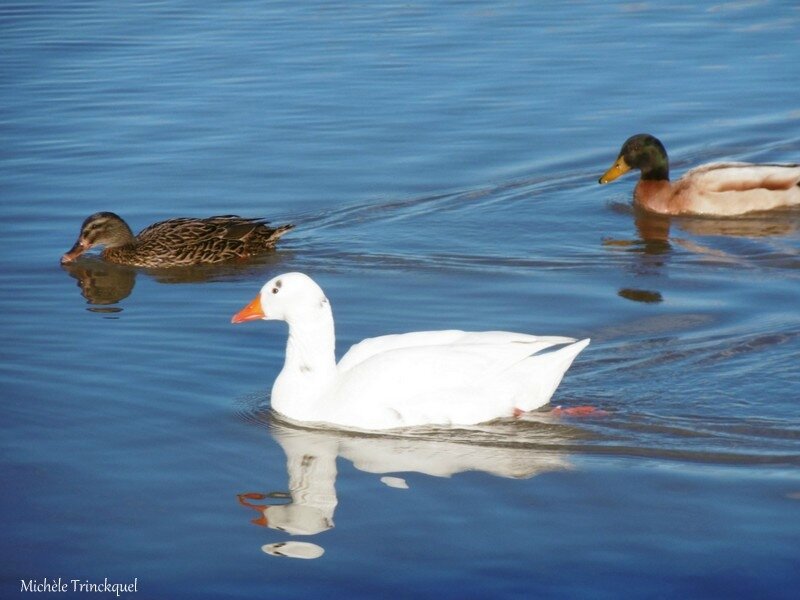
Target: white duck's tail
pixel 543 374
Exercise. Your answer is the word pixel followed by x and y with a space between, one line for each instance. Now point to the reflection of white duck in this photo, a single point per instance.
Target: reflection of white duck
pixel 420 378
pixel 311 465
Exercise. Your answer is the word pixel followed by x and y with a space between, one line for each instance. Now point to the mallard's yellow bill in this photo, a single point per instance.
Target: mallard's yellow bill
pixel 619 168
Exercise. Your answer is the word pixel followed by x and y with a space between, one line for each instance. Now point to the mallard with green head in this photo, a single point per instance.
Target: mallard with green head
pixel 176 242
pixel 719 189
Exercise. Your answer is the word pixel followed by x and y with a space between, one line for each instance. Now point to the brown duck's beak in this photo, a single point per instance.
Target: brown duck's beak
pixel 251 312
pixel 79 248
pixel 618 168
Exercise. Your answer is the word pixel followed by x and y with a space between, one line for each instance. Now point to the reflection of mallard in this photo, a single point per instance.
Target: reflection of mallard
pixel 723 189
pixel 176 242
pixel 751 226
pixel 101 282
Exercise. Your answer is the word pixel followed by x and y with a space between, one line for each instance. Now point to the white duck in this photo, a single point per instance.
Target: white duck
pixel 421 378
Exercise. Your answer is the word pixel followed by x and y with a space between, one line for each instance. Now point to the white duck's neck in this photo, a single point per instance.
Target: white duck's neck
pixel 310 368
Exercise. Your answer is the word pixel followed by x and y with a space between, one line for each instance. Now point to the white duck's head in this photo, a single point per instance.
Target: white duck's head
pixel 290 297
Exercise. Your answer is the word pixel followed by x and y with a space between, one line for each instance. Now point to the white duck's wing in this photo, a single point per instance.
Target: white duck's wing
pixel 737 188
pixel 448 384
pixel 369 347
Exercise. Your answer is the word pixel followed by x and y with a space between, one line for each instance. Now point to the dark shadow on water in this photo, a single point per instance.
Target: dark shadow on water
pixel 646 296
pixel 103 284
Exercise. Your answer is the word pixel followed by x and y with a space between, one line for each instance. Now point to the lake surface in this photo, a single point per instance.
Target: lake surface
pixel 440 162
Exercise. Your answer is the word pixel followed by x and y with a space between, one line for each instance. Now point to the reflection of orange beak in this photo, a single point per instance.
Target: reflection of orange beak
pixel 262 508
pixel 251 312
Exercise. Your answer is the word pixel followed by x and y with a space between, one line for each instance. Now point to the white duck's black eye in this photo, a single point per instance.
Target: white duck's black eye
pixel 275 290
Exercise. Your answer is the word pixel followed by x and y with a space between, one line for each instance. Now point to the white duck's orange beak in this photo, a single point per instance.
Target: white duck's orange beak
pixel 251 312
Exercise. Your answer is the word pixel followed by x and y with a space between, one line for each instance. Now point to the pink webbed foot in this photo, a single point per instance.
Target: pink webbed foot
pixel 579 411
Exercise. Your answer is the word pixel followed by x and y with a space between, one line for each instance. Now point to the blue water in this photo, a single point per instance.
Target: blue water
pixel 440 162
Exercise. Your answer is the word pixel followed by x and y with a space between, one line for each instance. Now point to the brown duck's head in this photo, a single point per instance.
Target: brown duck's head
pixel 101 229
pixel 644 152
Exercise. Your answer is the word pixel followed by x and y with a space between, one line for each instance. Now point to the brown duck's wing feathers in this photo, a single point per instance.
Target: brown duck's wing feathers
pixel 184 241
pixel 161 253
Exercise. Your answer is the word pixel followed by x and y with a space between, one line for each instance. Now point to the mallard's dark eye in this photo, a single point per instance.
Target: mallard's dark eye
pixel 275 290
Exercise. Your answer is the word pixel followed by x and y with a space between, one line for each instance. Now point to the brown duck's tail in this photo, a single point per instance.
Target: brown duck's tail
pixel 280 231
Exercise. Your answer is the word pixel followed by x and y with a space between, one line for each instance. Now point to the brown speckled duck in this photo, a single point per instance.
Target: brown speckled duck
pixel 718 189
pixel 176 242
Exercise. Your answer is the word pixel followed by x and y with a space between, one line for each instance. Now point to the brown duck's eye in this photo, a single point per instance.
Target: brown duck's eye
pixel 275 290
